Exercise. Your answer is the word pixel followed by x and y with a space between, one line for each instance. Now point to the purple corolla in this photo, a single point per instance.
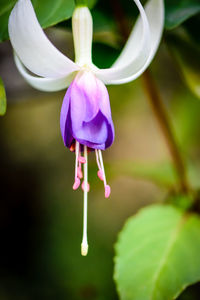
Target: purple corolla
pixel 85 113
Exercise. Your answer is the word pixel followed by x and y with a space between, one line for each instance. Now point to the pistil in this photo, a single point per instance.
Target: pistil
pixel 84 244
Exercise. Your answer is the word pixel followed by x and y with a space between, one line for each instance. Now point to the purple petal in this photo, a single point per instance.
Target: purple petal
pixel 94 131
pixel 111 135
pixel 85 114
pixel 104 102
pixel 84 98
pixel 97 134
pixel 65 118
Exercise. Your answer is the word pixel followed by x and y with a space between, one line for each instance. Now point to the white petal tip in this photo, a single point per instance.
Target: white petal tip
pixel 84 249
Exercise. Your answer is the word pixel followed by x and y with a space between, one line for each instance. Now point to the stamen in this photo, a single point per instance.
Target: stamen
pixel 97 159
pixel 102 173
pixel 107 191
pixel 81 159
pixel 72 147
pixel 76 180
pixel 79 171
pixel 84 244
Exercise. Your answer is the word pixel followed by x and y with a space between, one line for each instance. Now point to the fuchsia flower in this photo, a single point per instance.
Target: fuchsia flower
pixel 85 121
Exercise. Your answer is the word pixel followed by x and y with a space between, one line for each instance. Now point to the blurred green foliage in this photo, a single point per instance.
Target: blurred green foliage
pixel 49 13
pixel 187 57
pixel 176 12
pixel 2 99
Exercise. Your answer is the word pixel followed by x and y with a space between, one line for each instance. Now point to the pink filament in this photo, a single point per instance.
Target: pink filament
pixel 79 172
pixel 81 159
pixel 101 172
pixel 79 175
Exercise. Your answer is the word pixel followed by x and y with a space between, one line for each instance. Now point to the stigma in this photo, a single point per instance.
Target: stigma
pixel 81 173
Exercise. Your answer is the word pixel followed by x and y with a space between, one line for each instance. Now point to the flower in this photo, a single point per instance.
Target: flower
pixel 86 122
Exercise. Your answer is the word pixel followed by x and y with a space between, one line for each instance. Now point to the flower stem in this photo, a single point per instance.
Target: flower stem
pixel 81 2
pixel 162 117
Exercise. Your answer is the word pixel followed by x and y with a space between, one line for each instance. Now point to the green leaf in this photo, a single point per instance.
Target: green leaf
pixel 2 99
pixel 49 12
pixel 5 9
pixel 177 12
pixel 157 254
pixel 188 60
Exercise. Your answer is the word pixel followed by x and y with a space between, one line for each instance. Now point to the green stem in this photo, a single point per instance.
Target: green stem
pixel 81 2
pixel 162 117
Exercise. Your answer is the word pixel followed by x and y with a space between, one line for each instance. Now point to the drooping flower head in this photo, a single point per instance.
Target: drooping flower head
pixel 85 114
pixel 85 121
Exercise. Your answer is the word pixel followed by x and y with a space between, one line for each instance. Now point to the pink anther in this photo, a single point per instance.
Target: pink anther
pixel 79 173
pixel 107 191
pixel 82 159
pixel 83 186
pixel 76 183
pixel 72 147
pixel 100 175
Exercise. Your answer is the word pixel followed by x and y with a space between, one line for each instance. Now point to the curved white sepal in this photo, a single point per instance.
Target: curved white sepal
pixel 44 84
pixel 136 61
pixel 32 46
pixel 154 11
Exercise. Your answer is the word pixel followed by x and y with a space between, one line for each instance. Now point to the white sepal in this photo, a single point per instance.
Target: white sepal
pixel 44 84
pixel 142 45
pixel 32 46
